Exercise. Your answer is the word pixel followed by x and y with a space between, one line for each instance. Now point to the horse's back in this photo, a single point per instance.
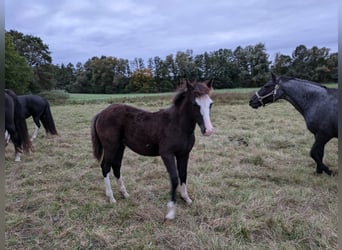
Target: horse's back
pixel 32 104
pixel 136 128
pixel 324 114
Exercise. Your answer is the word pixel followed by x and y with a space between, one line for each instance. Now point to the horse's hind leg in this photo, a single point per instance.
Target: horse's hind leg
pixel 112 158
pixel 36 128
pixel 105 165
pixel 317 153
pixel 116 165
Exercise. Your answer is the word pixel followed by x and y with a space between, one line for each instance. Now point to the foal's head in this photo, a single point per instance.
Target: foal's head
pixel 196 97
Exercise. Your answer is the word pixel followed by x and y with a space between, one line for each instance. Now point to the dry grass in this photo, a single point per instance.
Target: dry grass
pixel 252 182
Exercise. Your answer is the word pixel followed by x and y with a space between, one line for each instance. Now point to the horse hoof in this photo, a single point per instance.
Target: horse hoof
pixel 170 217
pixel 187 200
pixel 112 200
pixel 334 173
pixel 171 213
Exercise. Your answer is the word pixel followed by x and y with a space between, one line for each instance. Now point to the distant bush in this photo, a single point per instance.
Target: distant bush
pixel 55 96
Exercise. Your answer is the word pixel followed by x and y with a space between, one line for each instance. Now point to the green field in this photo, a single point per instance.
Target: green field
pixel 83 98
pixel 252 182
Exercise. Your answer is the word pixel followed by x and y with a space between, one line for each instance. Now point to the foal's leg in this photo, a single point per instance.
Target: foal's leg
pixel 317 153
pixel 116 165
pixel 169 161
pixel 182 165
pixel 105 165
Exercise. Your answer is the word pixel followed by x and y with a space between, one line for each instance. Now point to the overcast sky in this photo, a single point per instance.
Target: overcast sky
pixel 76 30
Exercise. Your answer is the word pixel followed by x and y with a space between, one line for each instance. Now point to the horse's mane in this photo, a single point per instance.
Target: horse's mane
pixel 199 89
pixel 287 78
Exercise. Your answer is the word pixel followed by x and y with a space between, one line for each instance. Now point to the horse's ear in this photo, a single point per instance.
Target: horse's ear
pixel 189 86
pixel 210 83
pixel 274 77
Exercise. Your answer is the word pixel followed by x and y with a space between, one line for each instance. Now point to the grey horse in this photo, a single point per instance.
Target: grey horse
pixel 317 104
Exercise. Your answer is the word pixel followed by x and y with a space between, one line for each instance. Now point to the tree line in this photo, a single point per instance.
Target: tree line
pixel 29 68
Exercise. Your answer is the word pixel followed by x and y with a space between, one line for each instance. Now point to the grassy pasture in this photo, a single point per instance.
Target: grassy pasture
pixel 98 98
pixel 252 183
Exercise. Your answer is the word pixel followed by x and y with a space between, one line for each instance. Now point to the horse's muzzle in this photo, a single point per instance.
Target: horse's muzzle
pixel 254 102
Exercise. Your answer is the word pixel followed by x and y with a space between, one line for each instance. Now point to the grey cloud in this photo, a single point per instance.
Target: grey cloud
pixel 77 30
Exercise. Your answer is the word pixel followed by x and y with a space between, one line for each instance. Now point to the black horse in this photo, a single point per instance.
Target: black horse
pixel 316 103
pixel 168 133
pixel 39 108
pixel 15 125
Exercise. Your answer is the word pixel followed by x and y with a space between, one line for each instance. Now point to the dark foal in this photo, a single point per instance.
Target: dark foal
pixel 168 133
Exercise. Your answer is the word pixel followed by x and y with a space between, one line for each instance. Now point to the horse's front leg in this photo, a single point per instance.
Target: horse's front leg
pixel 317 153
pixel 182 165
pixel 169 161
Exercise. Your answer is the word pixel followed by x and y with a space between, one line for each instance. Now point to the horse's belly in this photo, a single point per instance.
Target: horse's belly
pixel 146 149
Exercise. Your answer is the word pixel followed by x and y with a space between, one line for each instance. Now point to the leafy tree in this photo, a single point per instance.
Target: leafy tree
pixel 253 65
pixel 38 57
pixel 137 64
pixel 332 67
pixel 219 66
pixel 241 62
pixel 142 81
pixel 18 73
pixel 311 64
pixel 259 64
pixel 185 66
pixel 282 64
pixel 64 76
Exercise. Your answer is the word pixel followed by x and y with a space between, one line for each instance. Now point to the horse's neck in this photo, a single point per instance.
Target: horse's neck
pixel 185 120
pixel 302 95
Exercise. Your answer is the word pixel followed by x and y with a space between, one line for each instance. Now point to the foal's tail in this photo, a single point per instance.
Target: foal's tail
pixel 97 146
pixel 47 120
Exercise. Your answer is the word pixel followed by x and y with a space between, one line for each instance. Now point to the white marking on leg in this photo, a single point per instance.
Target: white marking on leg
pixel 171 211
pixel 35 132
pixel 184 194
pixel 17 157
pixel 7 137
pixel 122 187
pixel 109 191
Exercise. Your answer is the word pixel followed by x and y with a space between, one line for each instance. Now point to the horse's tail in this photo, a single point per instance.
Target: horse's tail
pixel 97 146
pixel 21 140
pixel 47 120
